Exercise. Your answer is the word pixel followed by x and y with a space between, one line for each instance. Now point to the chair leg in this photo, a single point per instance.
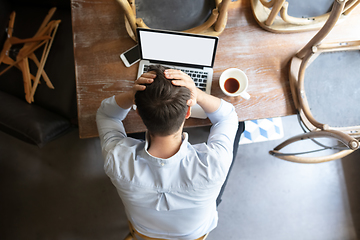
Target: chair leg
pixel 206 235
pixel 128 237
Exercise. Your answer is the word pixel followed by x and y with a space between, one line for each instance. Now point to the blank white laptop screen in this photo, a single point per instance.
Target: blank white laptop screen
pixel 177 48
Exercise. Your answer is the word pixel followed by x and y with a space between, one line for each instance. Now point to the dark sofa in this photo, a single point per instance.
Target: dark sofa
pixel 53 112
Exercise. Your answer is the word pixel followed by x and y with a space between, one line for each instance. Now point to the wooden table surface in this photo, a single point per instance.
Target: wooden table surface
pixel 100 37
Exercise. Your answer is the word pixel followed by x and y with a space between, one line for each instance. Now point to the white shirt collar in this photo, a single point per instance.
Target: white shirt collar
pixel 164 162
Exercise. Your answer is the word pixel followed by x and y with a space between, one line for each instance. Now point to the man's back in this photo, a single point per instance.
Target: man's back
pixel 174 197
pixel 169 195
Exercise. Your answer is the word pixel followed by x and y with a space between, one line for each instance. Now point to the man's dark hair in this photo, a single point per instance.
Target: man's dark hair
pixel 162 105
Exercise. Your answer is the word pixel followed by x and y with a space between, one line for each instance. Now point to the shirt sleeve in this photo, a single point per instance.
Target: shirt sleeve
pixel 109 119
pixel 223 131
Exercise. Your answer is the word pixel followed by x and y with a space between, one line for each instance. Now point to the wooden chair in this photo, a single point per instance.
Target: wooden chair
pixel 43 37
pixel 133 233
pixel 273 16
pixel 214 25
pixel 348 135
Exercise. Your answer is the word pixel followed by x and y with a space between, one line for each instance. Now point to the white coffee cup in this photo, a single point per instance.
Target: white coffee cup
pixel 234 82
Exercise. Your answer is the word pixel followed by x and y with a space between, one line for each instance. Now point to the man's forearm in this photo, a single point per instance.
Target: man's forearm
pixel 109 123
pixel 208 102
pixel 125 100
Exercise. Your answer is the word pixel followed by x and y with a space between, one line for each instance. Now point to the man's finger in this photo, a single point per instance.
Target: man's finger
pixel 174 74
pixel 179 83
pixel 150 75
pixel 190 102
pixel 139 88
pixel 144 80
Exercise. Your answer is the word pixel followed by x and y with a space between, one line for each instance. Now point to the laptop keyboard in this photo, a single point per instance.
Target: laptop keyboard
pixel 199 77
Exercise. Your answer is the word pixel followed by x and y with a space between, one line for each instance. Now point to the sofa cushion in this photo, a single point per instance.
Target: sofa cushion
pixel 30 122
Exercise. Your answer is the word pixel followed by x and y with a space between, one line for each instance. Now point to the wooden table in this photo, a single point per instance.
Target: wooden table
pixel 100 37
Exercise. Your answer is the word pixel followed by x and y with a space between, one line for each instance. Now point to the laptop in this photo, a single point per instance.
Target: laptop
pixel 193 54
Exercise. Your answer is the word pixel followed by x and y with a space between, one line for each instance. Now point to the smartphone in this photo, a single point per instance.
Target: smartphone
pixel 130 56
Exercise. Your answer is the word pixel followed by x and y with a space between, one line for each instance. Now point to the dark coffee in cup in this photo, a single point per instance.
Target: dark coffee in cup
pixel 231 85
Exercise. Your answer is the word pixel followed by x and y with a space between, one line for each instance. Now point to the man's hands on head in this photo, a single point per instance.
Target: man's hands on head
pixel 126 100
pixel 184 80
pixel 208 102
pixel 145 78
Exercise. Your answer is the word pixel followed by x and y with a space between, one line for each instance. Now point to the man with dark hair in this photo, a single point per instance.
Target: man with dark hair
pixel 170 188
pixel 163 106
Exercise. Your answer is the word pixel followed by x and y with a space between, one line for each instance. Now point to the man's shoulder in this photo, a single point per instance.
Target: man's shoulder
pixel 125 147
pixel 120 159
pixel 207 158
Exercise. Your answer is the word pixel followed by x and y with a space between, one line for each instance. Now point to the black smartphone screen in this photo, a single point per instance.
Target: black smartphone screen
pixel 133 54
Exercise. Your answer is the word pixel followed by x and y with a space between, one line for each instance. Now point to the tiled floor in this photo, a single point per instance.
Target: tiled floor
pixel 61 192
